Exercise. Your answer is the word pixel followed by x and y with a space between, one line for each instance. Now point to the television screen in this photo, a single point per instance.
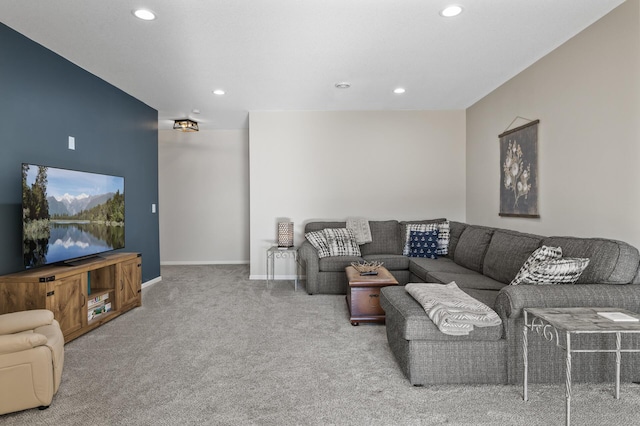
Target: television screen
pixel 69 214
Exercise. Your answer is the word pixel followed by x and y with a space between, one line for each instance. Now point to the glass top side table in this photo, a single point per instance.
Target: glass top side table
pixel 276 252
pixel 561 323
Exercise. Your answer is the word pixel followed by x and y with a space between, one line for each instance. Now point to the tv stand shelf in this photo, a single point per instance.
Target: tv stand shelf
pixel 67 291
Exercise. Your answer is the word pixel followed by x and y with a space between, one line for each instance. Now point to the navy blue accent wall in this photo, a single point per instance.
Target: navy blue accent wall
pixel 44 99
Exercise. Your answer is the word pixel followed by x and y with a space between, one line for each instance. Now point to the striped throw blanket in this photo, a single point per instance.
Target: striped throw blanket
pixel 453 311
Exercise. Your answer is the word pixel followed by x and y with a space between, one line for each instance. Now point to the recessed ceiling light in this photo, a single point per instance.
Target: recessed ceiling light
pixel 451 11
pixel 218 92
pixel 399 90
pixel 343 85
pixel 195 111
pixel 144 14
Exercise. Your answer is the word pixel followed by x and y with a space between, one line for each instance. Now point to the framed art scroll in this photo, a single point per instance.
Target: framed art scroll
pixel 519 171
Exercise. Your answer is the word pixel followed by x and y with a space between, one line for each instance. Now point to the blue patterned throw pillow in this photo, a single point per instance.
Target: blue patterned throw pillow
pixel 443 235
pixel 423 244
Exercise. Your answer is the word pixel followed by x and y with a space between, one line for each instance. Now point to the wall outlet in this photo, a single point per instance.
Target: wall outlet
pixel 153 208
pixel 72 142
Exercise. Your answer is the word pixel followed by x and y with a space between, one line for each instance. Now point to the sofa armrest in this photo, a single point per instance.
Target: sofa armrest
pixel 310 261
pixel 11 343
pixel 309 256
pixel 16 322
pixel 513 299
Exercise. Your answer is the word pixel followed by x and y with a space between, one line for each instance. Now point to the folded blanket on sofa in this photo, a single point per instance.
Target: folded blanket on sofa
pixel 452 310
pixel 361 229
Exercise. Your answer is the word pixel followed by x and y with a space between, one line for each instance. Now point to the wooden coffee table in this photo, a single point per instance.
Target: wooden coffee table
pixel 363 297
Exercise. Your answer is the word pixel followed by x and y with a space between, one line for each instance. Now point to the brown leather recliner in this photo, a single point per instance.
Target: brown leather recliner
pixel 31 359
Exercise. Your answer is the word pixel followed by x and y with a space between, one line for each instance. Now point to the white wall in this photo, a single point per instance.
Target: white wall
pixel 320 165
pixel 203 188
pixel 586 94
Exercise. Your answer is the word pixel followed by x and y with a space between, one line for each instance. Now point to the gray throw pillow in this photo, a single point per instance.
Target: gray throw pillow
pixel 556 271
pixel 541 254
pixel 319 242
pixel 341 242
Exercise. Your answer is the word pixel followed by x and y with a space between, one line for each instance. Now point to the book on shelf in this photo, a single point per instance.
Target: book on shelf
pixel 95 301
pixel 98 310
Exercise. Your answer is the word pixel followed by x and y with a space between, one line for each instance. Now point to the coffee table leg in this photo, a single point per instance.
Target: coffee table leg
pixel 568 381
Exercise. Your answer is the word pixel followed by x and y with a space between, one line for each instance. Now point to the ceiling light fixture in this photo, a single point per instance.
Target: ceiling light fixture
pixel 144 14
pixel 218 92
pixel 399 90
pixel 186 125
pixel 343 85
pixel 451 11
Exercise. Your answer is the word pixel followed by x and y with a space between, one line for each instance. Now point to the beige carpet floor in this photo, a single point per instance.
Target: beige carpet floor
pixel 211 347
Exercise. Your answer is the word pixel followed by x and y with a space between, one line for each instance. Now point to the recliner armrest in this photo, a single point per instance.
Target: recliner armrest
pixel 11 343
pixel 513 299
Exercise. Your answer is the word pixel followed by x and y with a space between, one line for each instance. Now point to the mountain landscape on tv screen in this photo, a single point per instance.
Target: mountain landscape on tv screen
pixel 68 205
pixel 68 214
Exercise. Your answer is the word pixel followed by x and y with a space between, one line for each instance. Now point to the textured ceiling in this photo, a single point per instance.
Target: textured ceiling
pixel 288 54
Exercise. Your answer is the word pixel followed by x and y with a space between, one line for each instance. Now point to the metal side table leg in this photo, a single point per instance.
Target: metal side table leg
pixel 525 358
pixel 617 365
pixel 568 379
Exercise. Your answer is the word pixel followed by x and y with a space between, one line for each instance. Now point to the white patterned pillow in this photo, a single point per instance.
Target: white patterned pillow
pixel 557 271
pixel 341 242
pixel 443 236
pixel 541 254
pixel 319 242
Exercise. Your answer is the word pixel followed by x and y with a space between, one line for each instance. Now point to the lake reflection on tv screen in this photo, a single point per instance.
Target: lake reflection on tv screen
pixel 70 240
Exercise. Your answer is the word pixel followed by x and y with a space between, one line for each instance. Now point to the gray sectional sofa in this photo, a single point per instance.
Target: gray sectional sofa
pixel 483 261
pixel 326 275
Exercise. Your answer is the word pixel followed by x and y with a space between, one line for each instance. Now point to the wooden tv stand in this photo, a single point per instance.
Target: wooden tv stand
pixel 70 292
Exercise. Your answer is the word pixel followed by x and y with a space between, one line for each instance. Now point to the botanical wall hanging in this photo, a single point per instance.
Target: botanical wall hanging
pixel 519 171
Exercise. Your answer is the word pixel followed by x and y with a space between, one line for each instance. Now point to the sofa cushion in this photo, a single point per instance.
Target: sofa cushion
pixel 468 280
pixel 319 226
pixel 423 244
pixel 415 324
pixel 455 231
pixel 488 297
pixel 341 242
pixel 422 267
pixel 337 263
pixel 386 238
pixel 507 252
pixel 472 246
pixel 610 261
pixel 393 262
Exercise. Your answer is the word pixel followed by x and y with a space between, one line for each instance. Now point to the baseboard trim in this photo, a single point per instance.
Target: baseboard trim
pixel 278 277
pixel 152 282
pixel 203 262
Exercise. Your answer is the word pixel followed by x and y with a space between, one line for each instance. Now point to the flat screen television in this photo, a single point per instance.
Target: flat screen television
pixel 69 215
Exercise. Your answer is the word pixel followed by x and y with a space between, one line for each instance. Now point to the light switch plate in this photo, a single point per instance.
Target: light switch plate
pixel 72 142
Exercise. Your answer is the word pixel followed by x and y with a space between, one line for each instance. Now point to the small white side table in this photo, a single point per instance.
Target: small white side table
pixel 274 253
pixel 555 323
